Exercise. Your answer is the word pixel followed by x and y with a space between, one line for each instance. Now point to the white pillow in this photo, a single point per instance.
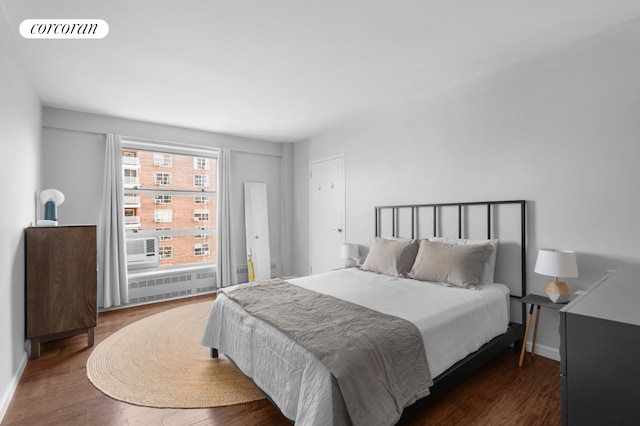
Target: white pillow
pixel 489 266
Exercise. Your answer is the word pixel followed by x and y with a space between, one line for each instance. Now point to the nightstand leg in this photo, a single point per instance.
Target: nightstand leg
pixel 526 335
pixel 535 332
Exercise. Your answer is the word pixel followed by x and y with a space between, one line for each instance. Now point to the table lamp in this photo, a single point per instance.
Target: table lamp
pixel 348 252
pixel 557 263
pixel 51 198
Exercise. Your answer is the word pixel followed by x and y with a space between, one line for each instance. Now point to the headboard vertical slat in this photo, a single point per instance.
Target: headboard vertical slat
pixel 394 222
pixel 413 223
pixel 489 234
pixel 435 221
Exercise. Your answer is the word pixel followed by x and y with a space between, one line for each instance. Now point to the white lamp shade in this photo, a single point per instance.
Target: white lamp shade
pixel 349 251
pixel 51 195
pixel 556 263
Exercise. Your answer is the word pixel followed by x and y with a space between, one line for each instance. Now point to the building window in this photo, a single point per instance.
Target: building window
pixel 130 178
pixel 201 249
pixel 201 181
pixel 163 215
pixel 162 160
pixel 162 178
pixel 201 199
pixel 165 252
pixel 201 215
pixel 162 199
pixel 201 236
pixel 162 236
pixel 165 204
pixel 200 163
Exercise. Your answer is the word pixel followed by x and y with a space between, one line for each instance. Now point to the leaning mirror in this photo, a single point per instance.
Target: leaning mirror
pixel 257 231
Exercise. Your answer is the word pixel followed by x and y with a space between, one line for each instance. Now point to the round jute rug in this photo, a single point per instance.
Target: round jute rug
pixel 158 362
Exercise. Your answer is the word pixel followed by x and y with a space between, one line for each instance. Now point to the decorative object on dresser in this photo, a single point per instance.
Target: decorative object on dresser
pixel 61 283
pixel 599 352
pixel 51 198
pixel 557 263
pixel 349 252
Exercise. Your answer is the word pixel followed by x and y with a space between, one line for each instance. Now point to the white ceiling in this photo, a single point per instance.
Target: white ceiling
pixel 284 70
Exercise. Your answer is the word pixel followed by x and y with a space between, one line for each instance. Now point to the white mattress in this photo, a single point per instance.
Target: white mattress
pixel 454 322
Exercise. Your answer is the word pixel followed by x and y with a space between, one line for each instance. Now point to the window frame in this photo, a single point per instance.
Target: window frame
pixel 206 231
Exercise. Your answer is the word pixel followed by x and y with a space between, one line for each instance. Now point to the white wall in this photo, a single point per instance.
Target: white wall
pixel 562 131
pixel 20 124
pixel 73 152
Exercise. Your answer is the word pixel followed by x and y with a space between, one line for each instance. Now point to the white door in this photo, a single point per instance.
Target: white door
pixel 326 214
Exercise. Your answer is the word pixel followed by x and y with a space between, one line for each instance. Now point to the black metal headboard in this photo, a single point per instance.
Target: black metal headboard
pixel 461 212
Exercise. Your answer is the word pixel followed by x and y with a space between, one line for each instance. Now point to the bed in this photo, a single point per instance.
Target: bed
pixel 458 326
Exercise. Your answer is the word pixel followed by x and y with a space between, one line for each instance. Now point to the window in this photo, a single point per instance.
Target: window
pixel 201 249
pixel 200 163
pixel 201 199
pixel 162 160
pixel 201 236
pixel 162 199
pixel 201 215
pixel 201 181
pixel 168 204
pixel 163 236
pixel 163 215
pixel 165 252
pixel 162 178
pixel 130 178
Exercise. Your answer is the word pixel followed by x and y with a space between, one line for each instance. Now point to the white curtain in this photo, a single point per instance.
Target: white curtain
pixel 226 268
pixel 113 289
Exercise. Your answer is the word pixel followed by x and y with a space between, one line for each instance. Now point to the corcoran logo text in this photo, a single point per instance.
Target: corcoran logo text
pixel 64 28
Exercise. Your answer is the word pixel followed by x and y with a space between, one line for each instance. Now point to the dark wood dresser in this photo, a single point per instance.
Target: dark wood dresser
pixel 61 283
pixel 600 353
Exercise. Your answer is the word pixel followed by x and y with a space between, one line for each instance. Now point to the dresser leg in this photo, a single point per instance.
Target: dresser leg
pixel 90 336
pixel 35 349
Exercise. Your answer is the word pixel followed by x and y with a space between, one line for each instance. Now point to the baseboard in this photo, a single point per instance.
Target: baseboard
pixel 7 396
pixel 545 351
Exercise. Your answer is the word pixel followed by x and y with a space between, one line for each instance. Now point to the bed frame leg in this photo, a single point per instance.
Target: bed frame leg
pixel 517 345
pixel 214 353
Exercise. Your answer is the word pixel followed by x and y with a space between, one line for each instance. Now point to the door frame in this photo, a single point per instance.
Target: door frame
pixel 340 156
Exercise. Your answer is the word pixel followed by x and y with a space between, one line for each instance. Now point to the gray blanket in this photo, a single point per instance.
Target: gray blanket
pixel 378 361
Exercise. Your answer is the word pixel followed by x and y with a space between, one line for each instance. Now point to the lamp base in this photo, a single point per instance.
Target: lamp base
pixel 557 291
pixel 45 222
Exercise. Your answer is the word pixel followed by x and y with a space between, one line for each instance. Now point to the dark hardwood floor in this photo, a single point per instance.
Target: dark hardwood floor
pixel 54 390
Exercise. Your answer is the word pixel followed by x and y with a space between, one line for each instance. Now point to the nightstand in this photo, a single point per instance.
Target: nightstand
pixel 537 301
